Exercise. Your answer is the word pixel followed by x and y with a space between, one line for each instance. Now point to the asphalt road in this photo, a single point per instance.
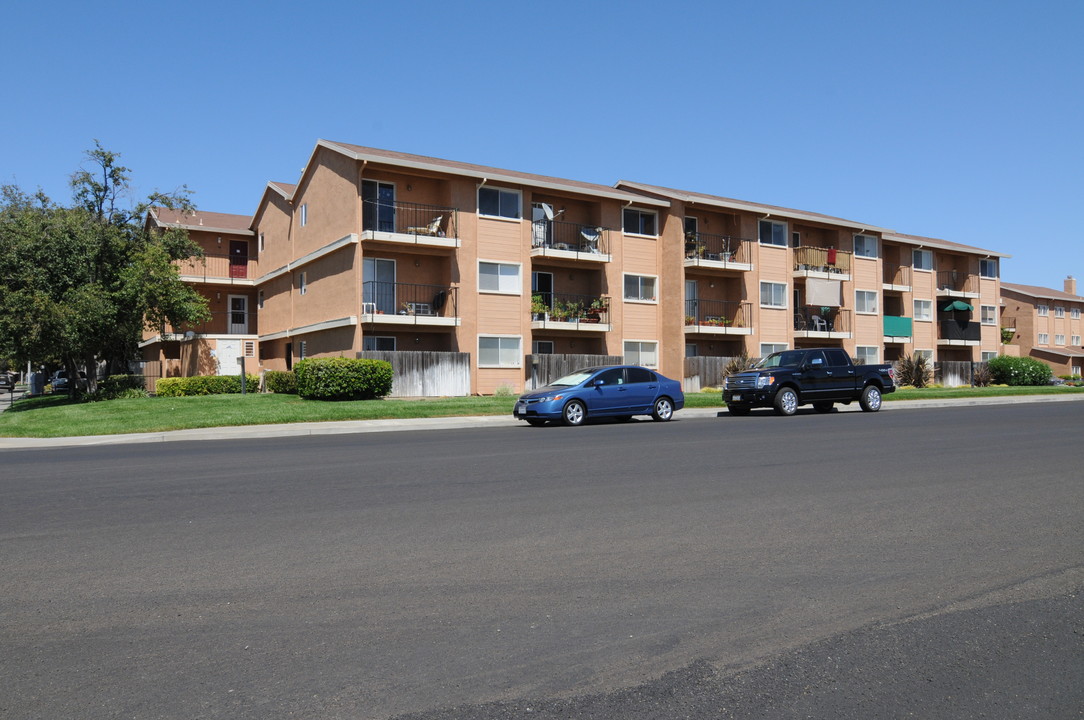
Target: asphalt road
pixel 701 568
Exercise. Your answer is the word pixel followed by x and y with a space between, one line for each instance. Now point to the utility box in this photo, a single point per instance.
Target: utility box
pixel 37 383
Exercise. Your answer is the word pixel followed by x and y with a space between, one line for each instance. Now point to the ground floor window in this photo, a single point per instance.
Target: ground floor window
pixel 767 349
pixel 499 351
pixel 377 342
pixel 866 355
pixel 987 355
pixel 639 352
pixel 542 347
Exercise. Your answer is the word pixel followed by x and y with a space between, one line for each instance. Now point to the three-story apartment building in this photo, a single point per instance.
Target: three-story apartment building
pixel 1046 324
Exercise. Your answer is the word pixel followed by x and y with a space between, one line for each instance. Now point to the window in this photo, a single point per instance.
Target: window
pixel 259 299
pixel 795 239
pixel 542 347
pixel 989 314
pixel 865 301
pixel 499 351
pixel 866 355
pixel 773 294
pixel 640 287
pixel 923 309
pixel 639 222
pixel 988 268
pixel 987 355
pixel 303 284
pixel 922 259
pixel 499 278
pixel 304 215
pixel 767 349
pixel 1059 340
pixel 1044 338
pixel 1076 340
pixel 303 346
pixel 382 343
pixel 1043 310
pixel 250 348
pixel 1075 313
pixel 261 242
pixel 773 233
pixel 1059 312
pixel 641 353
pixel 496 202
pixel 928 354
pixel 865 246
pixel 691 350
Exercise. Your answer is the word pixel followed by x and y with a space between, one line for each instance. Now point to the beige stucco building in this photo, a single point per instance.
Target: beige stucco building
pixel 1046 324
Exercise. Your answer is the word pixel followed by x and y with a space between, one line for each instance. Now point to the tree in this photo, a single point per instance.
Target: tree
pixel 78 284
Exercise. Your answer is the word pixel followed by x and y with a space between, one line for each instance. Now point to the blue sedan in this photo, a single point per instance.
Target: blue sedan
pixel 618 391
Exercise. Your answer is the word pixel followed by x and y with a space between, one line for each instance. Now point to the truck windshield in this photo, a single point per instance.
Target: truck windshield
pixel 787 358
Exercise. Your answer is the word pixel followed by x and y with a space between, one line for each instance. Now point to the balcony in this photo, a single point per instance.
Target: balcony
pixel 822 262
pixel 392 303
pixel 218 270
pixel 955 283
pixel 570 241
pixel 895 277
pixel 959 332
pixel 897 329
pixel 562 311
pixel 822 322
pixel 222 322
pixel 718 317
pixel 406 223
pixel 721 252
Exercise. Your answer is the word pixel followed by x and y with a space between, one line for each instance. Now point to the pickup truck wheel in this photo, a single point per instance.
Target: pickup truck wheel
pixel 737 410
pixel 823 407
pixel 786 401
pixel 574 413
pixel 664 410
pixel 871 399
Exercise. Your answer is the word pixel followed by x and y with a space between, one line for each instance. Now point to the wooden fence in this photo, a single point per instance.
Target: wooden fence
pixel 418 373
pixel 704 371
pixel 954 373
pixel 547 368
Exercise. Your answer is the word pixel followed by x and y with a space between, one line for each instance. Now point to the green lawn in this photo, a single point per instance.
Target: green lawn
pixel 56 416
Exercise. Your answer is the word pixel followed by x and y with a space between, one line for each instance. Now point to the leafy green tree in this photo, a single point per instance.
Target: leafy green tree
pixel 78 284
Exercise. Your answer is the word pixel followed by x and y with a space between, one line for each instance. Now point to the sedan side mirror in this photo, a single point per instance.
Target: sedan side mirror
pixel 598 382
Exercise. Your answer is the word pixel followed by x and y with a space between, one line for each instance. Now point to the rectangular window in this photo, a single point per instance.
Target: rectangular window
pixel 1043 310
pixel 499 351
pixel 1076 340
pixel 382 343
pixel 1044 338
pixel 641 353
pixel 542 347
pixel 303 284
pixel 640 287
pixel 767 349
pixel 928 354
pixel 1059 312
pixel 499 278
pixel 639 222
pixel 988 268
pixel 773 294
pixel 497 202
pixel 865 246
pixel 866 355
pixel 691 350
pixel 259 300
pixel 250 348
pixel 304 215
pixel 261 242
pixel 795 239
pixel 1059 340
pixel 987 355
pixel 923 309
pixel 922 259
pixel 989 314
pixel 1075 313
pixel 772 233
pixel 865 301
pixel 304 348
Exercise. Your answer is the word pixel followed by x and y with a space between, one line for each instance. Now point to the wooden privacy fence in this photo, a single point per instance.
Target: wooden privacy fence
pixel 954 373
pixel 419 373
pixel 702 372
pixel 547 368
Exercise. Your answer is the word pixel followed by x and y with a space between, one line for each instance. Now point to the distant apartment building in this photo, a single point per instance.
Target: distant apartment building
pixel 1046 324
pixel 373 250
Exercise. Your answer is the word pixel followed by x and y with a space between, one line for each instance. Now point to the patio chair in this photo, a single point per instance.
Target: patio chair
pixel 432 229
pixel 819 323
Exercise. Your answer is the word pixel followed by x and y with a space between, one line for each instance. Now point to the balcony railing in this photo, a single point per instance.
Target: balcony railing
pixel 222 322
pixel 897 274
pixel 717 248
pixel 718 313
pixel 816 319
pixel 586 240
pixel 960 330
pixel 408 302
pixel 950 281
pixel 895 326
pixel 211 268
pixel 820 259
pixel 549 308
pixel 410 219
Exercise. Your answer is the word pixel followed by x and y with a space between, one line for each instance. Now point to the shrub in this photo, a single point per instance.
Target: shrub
pixel 204 385
pixel 1020 371
pixel 982 377
pixel 118 387
pixel 281 381
pixel 736 365
pixel 914 370
pixel 343 378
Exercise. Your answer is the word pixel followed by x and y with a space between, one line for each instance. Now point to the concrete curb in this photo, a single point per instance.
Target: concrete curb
pixel 447 423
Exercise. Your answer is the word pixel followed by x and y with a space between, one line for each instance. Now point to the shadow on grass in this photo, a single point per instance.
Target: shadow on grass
pixel 41 402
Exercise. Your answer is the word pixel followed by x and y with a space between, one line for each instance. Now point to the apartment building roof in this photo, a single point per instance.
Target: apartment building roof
pixel 695 198
pixel 939 244
pixel 284 189
pixel 202 220
pixel 1041 293
pixel 482 172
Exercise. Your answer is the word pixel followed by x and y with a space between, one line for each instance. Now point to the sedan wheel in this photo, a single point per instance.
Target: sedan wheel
pixel 575 413
pixel 664 410
pixel 786 402
pixel 871 399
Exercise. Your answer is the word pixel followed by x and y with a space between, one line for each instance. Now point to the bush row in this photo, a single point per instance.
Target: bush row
pixel 1019 371
pixel 280 381
pixel 118 387
pixel 204 385
pixel 343 378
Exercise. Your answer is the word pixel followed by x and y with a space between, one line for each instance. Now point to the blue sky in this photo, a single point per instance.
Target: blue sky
pixel 959 120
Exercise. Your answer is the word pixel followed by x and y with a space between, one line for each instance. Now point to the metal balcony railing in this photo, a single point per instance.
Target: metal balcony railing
pixel 822 259
pixel 957 281
pixel 822 319
pixel 413 299
pixel 406 218
pixel 718 313
pixel 572 237
pixel 218 267
pixel 566 307
pixel 726 248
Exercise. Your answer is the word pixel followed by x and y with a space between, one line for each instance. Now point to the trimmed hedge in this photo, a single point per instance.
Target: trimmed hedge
pixel 204 385
pixel 1019 371
pixel 343 378
pixel 280 381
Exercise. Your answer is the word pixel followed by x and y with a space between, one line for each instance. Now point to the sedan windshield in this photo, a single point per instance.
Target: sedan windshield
pixel 786 358
pixel 574 379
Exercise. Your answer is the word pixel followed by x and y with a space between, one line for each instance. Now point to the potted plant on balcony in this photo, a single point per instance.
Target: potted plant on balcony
pixel 575 311
pixel 596 311
pixel 559 311
pixel 539 308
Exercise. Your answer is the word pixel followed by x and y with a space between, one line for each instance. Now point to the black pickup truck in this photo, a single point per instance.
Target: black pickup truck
pixel 821 376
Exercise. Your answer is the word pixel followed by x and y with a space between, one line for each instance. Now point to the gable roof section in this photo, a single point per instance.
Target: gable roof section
pixel 202 221
pixel 482 172
pixel 939 244
pixel 1040 293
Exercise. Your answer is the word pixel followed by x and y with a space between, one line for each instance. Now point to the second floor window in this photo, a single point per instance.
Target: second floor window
pixel 1043 310
pixel 865 301
pixel 1044 338
pixel 499 277
pixel 639 287
pixel 989 315
pixel 497 202
pixel 923 310
pixel 773 295
pixel 1059 312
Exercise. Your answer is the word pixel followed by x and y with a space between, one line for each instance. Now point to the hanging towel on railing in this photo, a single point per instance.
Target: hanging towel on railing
pixel 831 256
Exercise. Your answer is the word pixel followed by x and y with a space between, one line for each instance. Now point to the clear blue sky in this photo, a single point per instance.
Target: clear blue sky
pixel 960 120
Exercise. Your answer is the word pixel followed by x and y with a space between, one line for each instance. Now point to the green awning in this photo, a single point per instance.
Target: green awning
pixel 957 305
